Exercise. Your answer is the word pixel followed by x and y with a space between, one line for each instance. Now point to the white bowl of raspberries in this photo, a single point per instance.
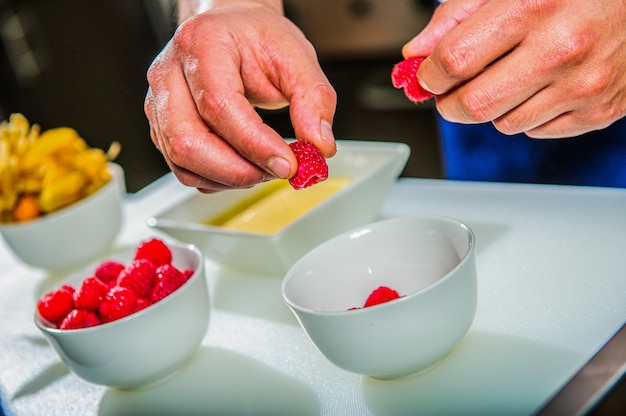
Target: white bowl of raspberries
pixel 130 319
pixel 389 299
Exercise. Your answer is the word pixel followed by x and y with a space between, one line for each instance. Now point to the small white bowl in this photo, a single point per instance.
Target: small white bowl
pixel 73 235
pixel 372 167
pixel 429 261
pixel 146 346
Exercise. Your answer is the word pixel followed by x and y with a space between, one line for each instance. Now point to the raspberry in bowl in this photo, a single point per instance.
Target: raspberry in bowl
pixel 389 299
pixel 130 319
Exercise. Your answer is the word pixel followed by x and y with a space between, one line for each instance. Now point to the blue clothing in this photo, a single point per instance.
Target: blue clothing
pixel 481 153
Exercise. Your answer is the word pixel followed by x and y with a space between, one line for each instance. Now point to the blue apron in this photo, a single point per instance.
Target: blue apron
pixel 478 152
pixel 481 153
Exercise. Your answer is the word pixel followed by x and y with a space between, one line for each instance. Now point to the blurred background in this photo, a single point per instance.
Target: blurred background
pixel 83 64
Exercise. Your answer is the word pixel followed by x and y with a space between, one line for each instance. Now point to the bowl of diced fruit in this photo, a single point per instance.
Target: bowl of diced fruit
pixel 389 299
pixel 131 319
pixel 60 200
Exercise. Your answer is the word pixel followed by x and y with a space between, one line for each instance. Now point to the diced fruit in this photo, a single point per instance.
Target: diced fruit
pixel 55 305
pixel 404 75
pixel 155 251
pixel 312 166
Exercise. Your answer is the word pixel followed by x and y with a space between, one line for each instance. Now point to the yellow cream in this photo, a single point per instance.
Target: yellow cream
pixel 275 206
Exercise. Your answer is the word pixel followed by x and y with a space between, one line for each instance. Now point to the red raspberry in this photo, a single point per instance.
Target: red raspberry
pixel 108 270
pixel 155 251
pixel 381 295
pixel 142 303
pixel 138 276
pixel 118 303
pixel 404 75
pixel 80 318
pixel 90 293
pixel 56 304
pixel 312 167
pixel 168 279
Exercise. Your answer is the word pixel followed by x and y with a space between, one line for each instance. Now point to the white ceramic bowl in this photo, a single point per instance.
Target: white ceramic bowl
pixel 146 346
pixel 73 235
pixel 372 166
pixel 429 261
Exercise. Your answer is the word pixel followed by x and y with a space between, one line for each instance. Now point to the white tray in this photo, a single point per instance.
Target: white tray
pixel 552 291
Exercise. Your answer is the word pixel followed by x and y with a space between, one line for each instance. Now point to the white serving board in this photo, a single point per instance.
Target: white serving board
pixel 552 291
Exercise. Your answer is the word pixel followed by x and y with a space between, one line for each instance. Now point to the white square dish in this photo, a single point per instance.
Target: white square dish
pixel 372 167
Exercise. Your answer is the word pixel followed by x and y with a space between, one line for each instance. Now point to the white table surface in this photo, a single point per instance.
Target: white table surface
pixel 551 266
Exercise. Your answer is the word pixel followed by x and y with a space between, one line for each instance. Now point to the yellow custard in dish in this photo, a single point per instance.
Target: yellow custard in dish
pixel 275 206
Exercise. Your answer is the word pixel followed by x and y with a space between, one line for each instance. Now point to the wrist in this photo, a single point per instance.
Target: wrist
pixel 188 8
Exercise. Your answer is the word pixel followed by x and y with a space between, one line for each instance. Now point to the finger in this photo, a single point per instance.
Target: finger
pixel 185 176
pixel 217 90
pixel 489 33
pixel 446 17
pixel 501 88
pixel 570 124
pixel 564 125
pixel 312 108
pixel 187 142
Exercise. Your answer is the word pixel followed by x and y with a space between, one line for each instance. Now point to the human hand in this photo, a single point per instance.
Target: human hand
pixel 548 68
pixel 205 83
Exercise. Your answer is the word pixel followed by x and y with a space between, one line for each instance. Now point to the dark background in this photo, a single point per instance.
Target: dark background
pixel 83 64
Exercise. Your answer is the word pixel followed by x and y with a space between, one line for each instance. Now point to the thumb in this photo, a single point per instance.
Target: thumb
pixel 446 17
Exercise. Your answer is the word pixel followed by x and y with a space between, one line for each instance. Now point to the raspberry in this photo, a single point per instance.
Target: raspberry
pixel 381 295
pixel 80 318
pixel 108 270
pixel 118 303
pixel 90 293
pixel 138 276
pixel 155 251
pixel 56 304
pixel 404 75
pixel 142 303
pixel 312 167
pixel 168 279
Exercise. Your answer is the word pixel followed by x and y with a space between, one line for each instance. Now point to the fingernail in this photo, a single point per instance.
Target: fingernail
pixel 326 131
pixel 279 167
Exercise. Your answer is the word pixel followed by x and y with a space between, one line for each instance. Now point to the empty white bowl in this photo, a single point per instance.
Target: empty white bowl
pixel 73 235
pixel 429 261
pixel 372 167
pixel 146 346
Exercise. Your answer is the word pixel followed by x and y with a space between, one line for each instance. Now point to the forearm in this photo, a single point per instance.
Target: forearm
pixel 188 8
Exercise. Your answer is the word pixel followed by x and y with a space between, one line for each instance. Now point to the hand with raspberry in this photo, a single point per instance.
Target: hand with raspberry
pixel 548 68
pixel 225 59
